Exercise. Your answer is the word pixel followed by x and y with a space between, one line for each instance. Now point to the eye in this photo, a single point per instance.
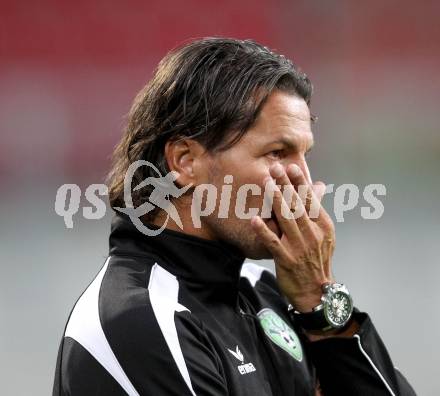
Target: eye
pixel 275 154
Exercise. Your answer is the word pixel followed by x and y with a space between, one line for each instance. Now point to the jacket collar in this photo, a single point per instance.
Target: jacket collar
pixel 197 260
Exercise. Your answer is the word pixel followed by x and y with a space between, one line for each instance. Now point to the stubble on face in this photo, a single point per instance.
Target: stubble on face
pixel 233 230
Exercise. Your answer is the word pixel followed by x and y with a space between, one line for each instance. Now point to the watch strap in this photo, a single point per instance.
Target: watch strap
pixel 314 320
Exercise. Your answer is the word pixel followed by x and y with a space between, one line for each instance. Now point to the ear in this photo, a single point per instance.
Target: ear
pixel 185 157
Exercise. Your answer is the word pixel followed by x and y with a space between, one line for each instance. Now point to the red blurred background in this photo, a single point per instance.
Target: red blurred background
pixel 69 70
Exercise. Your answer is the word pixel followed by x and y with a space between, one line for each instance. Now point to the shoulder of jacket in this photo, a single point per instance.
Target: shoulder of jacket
pixel 255 273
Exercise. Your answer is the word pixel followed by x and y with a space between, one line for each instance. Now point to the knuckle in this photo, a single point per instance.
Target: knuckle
pixel 273 242
pixel 315 239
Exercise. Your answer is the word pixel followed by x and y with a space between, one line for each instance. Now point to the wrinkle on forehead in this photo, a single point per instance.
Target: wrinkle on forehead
pixel 286 106
pixel 284 115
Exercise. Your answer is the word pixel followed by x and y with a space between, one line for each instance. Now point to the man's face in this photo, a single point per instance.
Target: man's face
pixel 282 134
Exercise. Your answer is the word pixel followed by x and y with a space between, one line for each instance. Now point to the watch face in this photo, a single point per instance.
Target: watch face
pixel 338 308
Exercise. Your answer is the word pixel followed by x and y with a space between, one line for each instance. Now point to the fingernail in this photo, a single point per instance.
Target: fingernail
pixel 295 170
pixel 277 170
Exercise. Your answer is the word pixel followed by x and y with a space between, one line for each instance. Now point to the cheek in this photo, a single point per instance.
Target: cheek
pixel 257 172
pixel 246 167
pixel 250 171
pixel 253 172
pixel 249 197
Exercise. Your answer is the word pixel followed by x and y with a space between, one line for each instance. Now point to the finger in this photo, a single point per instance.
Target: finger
pixel 282 210
pixel 319 189
pixel 268 237
pixel 293 198
pixel 296 175
pixel 317 211
pixel 278 172
pixel 304 188
pixel 325 222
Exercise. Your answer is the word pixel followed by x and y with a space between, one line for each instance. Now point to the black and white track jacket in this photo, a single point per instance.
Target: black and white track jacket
pixel 175 314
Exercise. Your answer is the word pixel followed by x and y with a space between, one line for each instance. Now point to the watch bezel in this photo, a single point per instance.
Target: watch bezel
pixel 327 298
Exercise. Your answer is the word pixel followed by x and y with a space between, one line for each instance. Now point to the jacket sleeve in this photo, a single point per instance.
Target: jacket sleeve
pixel 150 367
pixel 358 365
pixel 123 340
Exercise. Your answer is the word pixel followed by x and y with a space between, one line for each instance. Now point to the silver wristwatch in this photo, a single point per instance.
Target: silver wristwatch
pixel 334 311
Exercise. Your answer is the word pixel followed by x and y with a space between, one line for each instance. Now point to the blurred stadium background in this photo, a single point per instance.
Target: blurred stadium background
pixel 68 73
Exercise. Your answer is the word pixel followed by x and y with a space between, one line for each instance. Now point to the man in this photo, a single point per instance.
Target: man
pixel 174 311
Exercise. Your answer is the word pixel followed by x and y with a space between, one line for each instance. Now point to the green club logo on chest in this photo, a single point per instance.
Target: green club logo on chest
pixel 280 333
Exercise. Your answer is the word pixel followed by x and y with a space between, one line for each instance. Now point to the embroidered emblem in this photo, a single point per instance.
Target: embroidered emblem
pixel 280 333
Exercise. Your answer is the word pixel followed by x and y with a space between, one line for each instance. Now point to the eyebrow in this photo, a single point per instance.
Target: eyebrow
pixel 290 144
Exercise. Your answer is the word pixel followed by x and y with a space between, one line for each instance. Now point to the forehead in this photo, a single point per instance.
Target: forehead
pixel 283 116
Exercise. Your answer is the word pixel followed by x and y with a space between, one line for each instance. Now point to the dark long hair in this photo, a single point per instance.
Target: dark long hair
pixel 210 90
